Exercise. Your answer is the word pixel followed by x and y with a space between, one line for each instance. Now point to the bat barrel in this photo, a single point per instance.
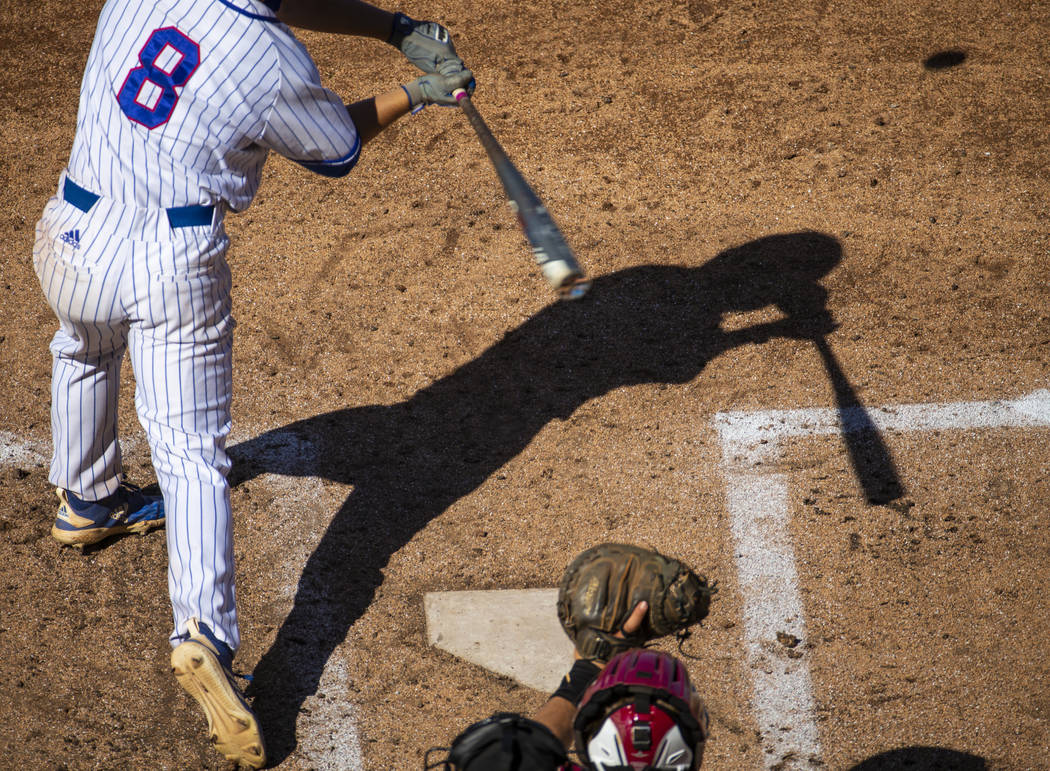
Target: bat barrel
pixel 574 288
pixel 567 279
pixel 555 259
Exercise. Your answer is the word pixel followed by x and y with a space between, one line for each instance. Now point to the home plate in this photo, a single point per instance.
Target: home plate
pixel 513 632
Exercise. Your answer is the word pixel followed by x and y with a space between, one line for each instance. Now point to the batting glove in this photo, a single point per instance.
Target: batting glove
pixel 437 88
pixel 426 44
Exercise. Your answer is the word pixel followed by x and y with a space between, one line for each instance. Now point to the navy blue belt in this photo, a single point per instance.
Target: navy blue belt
pixel 178 216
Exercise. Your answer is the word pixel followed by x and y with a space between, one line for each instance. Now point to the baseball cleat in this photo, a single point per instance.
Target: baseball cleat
pixel 201 664
pixel 128 510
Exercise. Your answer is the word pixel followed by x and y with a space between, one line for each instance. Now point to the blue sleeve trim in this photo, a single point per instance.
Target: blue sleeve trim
pixel 328 168
pixel 271 4
pixel 337 168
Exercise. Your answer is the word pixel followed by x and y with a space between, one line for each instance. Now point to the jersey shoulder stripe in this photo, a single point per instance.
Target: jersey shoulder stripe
pixel 273 5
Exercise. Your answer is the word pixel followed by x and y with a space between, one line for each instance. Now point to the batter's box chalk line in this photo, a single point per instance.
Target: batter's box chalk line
pixel 15 451
pixel 757 502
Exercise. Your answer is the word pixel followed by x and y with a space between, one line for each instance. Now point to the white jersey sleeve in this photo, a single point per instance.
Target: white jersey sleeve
pixel 307 123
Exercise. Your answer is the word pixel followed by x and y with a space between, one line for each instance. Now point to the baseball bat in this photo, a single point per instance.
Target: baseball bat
pixel 555 259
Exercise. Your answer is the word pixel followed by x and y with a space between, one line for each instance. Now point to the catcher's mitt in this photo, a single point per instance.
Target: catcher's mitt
pixel 603 585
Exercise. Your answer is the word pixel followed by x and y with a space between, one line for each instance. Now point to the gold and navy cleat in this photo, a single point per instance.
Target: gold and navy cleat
pixel 128 510
pixel 202 665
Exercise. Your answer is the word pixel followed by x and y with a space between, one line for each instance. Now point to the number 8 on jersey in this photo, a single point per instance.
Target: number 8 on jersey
pixel 167 61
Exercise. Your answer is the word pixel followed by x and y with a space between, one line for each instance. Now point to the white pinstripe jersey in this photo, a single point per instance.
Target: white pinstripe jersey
pixel 182 100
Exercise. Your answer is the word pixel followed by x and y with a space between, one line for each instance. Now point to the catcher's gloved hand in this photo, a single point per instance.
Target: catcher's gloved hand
pixel 437 87
pixel 424 43
pixel 605 583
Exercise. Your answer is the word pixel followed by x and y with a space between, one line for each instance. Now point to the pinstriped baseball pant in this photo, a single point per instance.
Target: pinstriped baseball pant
pixel 122 279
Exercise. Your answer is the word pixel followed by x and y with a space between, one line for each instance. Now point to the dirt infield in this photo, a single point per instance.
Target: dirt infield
pixel 828 206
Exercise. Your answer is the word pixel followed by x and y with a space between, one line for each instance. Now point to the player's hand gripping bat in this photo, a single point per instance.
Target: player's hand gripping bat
pixel 556 260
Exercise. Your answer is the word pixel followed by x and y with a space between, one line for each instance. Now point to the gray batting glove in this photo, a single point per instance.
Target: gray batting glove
pixel 437 88
pixel 424 43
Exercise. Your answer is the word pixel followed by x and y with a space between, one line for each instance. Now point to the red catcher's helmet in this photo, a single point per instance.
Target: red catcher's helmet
pixel 641 714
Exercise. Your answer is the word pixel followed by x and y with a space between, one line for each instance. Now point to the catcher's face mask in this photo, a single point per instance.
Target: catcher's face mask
pixel 630 740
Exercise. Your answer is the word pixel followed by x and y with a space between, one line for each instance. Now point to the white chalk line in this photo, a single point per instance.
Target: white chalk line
pixel 757 502
pixel 326 726
pixel 15 451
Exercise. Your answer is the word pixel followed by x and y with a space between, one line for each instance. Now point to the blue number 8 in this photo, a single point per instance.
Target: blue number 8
pixel 182 62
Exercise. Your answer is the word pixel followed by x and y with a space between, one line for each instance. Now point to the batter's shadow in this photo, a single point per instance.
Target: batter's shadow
pixel 409 462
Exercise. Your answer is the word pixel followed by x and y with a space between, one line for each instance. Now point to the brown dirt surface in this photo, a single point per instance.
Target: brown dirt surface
pixel 746 182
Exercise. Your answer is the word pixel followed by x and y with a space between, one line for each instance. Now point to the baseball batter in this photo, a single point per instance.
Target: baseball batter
pixel 181 102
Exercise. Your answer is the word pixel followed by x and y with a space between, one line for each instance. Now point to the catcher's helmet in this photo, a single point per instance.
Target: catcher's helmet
pixel 504 742
pixel 641 714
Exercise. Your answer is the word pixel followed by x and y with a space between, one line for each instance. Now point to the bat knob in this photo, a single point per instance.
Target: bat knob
pixel 459 93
